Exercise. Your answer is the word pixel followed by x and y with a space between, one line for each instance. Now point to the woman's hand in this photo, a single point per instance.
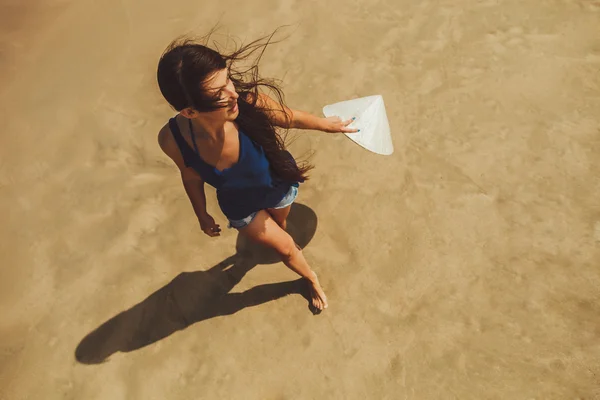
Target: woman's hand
pixel 335 124
pixel 209 226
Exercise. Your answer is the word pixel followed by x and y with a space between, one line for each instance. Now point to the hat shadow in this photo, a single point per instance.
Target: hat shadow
pixel 196 296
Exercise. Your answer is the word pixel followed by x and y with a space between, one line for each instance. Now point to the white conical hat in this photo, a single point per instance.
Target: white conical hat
pixel 371 119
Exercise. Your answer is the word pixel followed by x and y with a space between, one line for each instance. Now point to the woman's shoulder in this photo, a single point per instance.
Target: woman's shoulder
pixel 169 146
pixel 166 140
pixel 165 136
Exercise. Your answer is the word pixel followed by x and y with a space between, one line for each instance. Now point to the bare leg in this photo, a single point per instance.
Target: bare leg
pixel 264 230
pixel 280 215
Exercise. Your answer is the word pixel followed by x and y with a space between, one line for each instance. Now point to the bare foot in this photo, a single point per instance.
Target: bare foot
pixel 318 298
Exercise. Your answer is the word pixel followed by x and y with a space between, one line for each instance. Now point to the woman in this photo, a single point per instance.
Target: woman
pixel 226 135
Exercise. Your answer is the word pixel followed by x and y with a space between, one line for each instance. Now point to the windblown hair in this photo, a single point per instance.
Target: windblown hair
pixel 186 65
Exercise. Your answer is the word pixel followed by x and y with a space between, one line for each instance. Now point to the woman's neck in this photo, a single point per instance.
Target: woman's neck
pixel 207 130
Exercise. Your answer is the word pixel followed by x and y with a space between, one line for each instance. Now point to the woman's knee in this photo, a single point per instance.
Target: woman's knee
pixel 265 230
pixel 287 250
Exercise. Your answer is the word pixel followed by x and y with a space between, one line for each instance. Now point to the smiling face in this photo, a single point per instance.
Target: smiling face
pixel 220 87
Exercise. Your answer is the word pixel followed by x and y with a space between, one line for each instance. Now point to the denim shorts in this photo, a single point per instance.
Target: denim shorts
pixel 287 200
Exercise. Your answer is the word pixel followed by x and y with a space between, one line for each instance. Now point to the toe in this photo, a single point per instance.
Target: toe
pixel 318 304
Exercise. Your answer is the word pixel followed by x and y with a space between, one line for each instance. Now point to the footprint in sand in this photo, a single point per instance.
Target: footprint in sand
pixel 590 5
pixel 470 71
pixel 597 231
pixel 431 81
pixel 510 39
pixel 120 120
pixel 144 217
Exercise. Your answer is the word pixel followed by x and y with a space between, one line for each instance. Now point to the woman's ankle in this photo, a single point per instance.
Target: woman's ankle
pixel 312 278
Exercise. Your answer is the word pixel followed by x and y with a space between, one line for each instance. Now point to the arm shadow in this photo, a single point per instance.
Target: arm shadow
pixel 196 296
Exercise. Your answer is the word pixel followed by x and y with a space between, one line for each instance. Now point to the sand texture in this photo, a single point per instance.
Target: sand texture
pixel 464 266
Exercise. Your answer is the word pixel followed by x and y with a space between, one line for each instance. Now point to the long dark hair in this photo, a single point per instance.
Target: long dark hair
pixel 186 64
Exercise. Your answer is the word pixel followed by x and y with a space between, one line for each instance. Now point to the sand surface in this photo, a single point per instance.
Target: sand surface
pixel 464 266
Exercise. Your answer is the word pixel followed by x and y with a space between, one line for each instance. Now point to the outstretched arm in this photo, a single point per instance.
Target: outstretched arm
pixel 288 118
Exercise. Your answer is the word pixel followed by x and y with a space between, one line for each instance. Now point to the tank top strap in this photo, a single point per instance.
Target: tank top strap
pixel 186 152
pixel 194 138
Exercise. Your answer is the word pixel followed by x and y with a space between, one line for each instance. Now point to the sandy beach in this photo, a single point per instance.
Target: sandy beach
pixel 464 266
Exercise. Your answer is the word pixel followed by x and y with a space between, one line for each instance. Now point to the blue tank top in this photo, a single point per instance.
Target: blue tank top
pixel 244 188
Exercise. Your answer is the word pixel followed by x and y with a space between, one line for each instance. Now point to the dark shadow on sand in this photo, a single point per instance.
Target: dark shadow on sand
pixel 196 296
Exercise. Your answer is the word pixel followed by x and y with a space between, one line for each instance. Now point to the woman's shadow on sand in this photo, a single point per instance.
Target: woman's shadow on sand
pixel 196 296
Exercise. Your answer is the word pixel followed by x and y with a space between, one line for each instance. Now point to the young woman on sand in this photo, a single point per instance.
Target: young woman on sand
pixel 226 135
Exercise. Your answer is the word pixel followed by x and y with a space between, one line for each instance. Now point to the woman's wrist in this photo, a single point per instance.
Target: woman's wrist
pixel 320 124
pixel 202 215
